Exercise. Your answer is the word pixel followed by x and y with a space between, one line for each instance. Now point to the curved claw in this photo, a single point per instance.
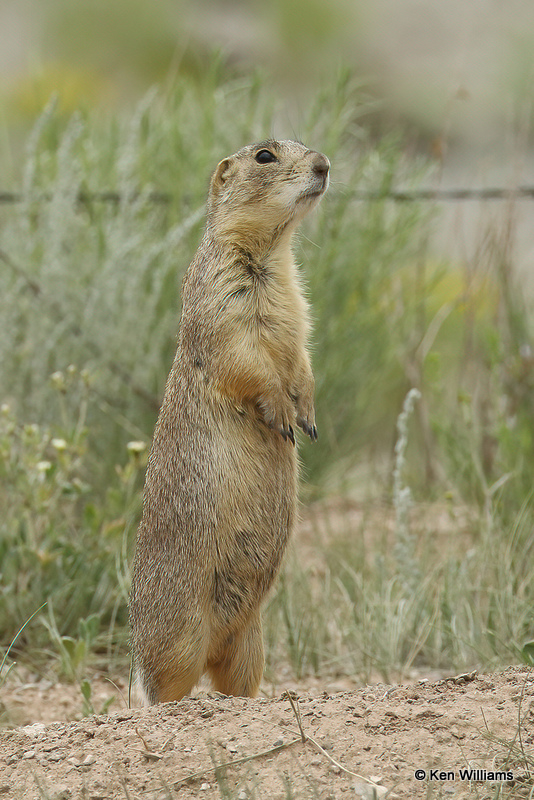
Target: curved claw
pixel 288 434
pixel 309 430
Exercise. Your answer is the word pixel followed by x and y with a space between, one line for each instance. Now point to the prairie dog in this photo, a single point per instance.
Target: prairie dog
pixel 221 483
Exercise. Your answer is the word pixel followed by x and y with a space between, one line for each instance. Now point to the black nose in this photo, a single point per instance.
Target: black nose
pixel 321 165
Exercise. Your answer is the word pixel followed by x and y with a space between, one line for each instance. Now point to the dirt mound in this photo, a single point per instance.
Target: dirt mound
pixel 457 731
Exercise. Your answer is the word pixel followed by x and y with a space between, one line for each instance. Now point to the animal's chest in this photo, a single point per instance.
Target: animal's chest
pixel 277 322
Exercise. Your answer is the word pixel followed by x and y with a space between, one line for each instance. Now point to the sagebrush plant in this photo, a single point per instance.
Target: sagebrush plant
pixel 96 284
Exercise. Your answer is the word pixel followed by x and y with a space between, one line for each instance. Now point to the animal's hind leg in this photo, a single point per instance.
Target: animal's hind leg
pixel 169 684
pixel 167 674
pixel 239 670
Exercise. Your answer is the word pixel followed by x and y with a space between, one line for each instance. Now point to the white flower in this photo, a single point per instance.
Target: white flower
pixel 136 447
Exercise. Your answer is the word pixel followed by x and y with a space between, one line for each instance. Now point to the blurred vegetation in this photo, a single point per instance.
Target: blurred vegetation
pixel 89 309
pixel 97 53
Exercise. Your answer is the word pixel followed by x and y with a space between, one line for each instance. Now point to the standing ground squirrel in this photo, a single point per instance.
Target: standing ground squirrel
pixel 221 483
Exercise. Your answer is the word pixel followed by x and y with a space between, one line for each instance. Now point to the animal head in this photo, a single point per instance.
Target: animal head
pixel 266 188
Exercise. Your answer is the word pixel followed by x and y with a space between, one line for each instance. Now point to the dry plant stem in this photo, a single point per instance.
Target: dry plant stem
pixel 148 752
pixel 130 684
pixel 519 724
pixel 271 751
pixel 194 776
pixel 294 702
pixel 118 690
pixel 510 746
pixel 125 789
pixel 305 738
pixel 464 677
pixel 33 285
pixel 340 766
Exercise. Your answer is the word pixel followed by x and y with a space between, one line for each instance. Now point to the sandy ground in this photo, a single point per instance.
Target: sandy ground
pixel 360 744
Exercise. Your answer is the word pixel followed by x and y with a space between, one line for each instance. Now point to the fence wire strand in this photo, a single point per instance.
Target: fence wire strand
pixel 397 195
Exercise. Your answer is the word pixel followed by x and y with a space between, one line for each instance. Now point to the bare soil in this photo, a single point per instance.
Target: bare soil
pixel 362 743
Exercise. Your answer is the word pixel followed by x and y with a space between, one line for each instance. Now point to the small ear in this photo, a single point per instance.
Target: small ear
pixel 222 173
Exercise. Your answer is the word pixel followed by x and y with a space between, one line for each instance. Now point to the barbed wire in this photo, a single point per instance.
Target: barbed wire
pixel 90 197
pixel 446 195
pixel 397 195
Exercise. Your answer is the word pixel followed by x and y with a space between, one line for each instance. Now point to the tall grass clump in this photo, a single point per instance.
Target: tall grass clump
pixel 361 614
pixel 407 592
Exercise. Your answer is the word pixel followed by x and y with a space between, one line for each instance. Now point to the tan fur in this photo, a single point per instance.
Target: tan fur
pixel 221 482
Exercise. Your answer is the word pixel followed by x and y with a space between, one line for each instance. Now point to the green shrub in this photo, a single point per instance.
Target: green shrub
pixel 61 543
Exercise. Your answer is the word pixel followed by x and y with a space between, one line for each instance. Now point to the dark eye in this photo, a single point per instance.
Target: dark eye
pixel 265 157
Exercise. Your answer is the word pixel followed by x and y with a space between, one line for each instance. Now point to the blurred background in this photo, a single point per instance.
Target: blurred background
pixel 113 115
pixel 460 72
pixel 456 78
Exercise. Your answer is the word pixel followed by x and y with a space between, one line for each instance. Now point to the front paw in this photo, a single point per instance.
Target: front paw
pixel 305 409
pixel 279 417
